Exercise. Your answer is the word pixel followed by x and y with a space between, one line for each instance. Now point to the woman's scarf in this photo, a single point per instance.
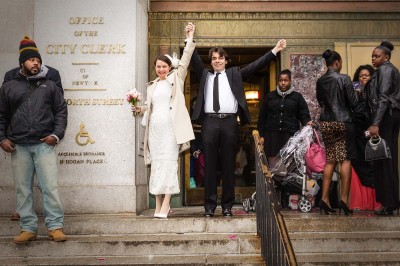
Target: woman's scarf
pixel 283 94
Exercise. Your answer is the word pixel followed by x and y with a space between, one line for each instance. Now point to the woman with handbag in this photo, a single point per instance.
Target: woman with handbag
pixel 337 99
pixel 168 126
pixel 281 114
pixel 362 189
pixel 383 102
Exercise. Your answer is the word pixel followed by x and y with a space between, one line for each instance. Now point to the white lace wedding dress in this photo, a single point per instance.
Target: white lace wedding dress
pixel 162 144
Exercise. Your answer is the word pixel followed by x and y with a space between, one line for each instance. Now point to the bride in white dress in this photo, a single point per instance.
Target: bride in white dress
pixel 168 126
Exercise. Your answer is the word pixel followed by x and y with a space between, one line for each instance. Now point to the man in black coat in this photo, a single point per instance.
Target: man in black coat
pixel 220 99
pixel 52 75
pixel 33 119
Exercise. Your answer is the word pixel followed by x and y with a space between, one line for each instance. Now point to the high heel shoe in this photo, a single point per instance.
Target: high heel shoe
pixel 345 208
pixel 323 206
pixel 162 215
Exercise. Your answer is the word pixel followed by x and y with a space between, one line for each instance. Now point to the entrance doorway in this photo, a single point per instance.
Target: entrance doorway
pixel 255 87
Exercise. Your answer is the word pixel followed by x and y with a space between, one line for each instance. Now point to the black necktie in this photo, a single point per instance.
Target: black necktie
pixel 216 94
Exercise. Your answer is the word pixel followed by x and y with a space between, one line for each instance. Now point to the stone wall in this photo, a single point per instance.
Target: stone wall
pixel 100 50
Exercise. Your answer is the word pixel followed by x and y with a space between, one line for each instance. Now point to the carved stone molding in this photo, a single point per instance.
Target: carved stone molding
pixel 274 6
pixel 241 30
pixel 273 16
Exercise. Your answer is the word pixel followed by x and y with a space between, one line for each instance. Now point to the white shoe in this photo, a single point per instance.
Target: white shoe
pixel 163 216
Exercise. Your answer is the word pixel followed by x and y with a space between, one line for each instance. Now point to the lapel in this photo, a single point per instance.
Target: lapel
pixel 170 79
pixel 229 75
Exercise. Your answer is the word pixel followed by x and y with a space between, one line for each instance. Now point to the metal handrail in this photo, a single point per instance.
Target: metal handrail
pixel 276 247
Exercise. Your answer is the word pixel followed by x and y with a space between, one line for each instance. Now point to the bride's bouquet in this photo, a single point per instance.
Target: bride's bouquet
pixel 133 97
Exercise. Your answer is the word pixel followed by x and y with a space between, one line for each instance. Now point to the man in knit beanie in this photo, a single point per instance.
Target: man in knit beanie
pixel 28 49
pixel 33 119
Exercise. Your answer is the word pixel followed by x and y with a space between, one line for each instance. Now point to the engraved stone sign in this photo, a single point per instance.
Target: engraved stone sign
pixel 92 44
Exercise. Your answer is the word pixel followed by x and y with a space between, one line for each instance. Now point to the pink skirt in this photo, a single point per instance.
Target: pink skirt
pixel 361 197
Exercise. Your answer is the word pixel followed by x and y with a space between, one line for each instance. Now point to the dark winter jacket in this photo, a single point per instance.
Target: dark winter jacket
pixel 42 114
pixel 283 113
pixel 52 74
pixel 336 97
pixel 383 92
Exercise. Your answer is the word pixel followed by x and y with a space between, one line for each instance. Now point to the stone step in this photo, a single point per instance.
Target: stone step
pixel 242 259
pixel 344 258
pixel 360 221
pixel 135 245
pixel 132 224
pixel 360 239
pixel 346 242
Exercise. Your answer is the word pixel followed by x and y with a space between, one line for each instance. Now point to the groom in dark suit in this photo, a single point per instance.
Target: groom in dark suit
pixel 220 99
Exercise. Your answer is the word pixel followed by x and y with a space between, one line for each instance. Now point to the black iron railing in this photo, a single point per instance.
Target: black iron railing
pixel 276 248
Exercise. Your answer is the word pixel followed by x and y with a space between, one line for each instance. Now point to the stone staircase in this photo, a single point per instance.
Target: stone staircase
pixel 360 239
pixel 185 238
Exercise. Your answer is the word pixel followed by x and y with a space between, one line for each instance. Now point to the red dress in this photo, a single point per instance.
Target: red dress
pixel 361 197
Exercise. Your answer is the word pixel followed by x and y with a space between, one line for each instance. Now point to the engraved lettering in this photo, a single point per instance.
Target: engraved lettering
pixel 86 20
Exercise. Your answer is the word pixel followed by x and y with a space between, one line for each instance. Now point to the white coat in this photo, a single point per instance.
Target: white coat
pixel 182 124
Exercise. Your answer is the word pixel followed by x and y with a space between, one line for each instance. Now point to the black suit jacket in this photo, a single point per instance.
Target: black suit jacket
pixel 52 75
pixel 235 76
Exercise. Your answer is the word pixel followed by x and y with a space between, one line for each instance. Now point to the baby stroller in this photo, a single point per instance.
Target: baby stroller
pixel 288 169
pixel 249 204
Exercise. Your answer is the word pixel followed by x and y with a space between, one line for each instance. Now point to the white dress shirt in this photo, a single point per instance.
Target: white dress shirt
pixel 227 101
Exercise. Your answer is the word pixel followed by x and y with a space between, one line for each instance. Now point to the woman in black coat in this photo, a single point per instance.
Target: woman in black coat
pixel 337 99
pixel 281 114
pixel 383 102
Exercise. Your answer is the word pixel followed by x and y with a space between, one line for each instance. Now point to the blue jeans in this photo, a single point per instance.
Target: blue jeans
pixel 42 159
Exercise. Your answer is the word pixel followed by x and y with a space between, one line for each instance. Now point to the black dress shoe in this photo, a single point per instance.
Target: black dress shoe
pixel 227 212
pixel 386 211
pixel 209 213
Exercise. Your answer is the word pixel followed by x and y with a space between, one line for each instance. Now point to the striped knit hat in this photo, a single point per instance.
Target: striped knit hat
pixel 28 49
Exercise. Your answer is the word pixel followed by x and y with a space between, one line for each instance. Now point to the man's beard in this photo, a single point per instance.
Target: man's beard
pixel 31 71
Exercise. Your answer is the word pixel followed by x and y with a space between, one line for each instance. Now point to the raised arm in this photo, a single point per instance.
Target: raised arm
pixel 197 64
pixel 187 51
pixel 261 62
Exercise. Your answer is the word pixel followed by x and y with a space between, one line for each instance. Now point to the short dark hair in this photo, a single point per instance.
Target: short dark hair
pixel 370 69
pixel 386 47
pixel 164 59
pixel 331 56
pixel 221 51
pixel 285 72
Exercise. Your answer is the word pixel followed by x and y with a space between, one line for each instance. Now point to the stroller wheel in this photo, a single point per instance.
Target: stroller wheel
pixel 305 205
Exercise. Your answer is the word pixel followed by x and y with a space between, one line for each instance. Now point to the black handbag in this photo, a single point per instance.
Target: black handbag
pixel 377 149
